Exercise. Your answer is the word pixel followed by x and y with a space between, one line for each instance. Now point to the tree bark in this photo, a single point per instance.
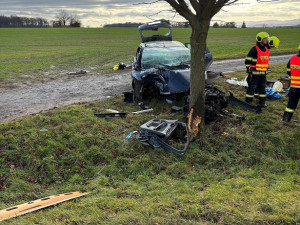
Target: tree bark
pixel 197 84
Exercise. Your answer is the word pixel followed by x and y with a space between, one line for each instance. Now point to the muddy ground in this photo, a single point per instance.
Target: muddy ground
pixel 30 99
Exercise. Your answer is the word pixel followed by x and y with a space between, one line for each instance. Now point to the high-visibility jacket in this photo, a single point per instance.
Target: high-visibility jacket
pixel 295 71
pixel 262 63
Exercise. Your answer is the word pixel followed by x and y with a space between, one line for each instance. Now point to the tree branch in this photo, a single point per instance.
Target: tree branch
pixel 206 8
pixel 267 0
pixel 219 4
pixel 148 3
pixel 155 14
pixel 230 3
pixel 194 4
pixel 181 7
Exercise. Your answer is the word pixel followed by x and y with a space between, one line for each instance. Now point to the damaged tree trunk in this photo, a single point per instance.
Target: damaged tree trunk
pixel 197 85
pixel 199 19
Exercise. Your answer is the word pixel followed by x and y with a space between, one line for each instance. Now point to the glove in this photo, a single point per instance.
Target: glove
pixel 248 69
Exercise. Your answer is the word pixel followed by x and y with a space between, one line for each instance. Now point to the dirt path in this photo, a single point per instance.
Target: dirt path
pixel 23 101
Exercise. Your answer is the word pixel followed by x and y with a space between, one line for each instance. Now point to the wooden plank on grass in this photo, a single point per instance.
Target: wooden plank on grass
pixel 38 204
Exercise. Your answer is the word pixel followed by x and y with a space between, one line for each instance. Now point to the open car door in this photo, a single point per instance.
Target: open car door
pixel 156 27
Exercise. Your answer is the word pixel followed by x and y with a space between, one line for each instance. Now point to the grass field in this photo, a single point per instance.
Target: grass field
pixel 240 172
pixel 43 54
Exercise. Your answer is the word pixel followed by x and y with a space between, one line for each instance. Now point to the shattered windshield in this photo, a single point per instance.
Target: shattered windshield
pixel 170 56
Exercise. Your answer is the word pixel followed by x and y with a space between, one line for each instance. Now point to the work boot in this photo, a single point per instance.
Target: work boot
pixel 287 116
pixel 262 102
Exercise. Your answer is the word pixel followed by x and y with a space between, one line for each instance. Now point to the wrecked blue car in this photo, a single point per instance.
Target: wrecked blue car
pixel 161 65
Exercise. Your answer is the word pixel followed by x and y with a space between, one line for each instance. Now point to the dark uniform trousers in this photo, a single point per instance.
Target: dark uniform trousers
pixel 294 96
pixel 257 84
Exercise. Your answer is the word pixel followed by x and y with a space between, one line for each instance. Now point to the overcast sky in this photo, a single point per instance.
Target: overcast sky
pixel 96 13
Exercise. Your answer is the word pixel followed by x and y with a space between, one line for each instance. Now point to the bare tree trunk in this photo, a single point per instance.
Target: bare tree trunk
pixel 198 46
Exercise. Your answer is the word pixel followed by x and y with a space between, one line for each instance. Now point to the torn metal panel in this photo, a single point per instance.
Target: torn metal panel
pixel 233 115
pixel 157 132
pixel 211 77
pixel 142 111
pixel 38 204
pixel 122 115
pixel 78 72
pixel 102 115
pixel 244 105
pixel 154 26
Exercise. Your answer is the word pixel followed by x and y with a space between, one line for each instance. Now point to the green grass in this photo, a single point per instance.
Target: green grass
pixel 239 172
pixel 31 55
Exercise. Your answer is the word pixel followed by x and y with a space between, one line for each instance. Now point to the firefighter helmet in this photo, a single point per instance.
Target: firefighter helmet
pixel 261 35
pixel 273 42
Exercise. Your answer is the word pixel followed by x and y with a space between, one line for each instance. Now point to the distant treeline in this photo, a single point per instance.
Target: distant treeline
pixel 128 24
pixel 62 19
pixel 227 25
pixel 16 21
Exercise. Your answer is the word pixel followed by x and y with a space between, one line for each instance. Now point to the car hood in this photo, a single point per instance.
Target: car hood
pixel 176 81
pixel 170 81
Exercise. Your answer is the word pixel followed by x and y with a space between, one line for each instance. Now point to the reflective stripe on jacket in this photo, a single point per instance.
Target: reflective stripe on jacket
pixel 262 63
pixel 295 71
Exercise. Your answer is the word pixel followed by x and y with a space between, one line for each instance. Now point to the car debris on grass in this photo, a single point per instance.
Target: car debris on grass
pixel 78 72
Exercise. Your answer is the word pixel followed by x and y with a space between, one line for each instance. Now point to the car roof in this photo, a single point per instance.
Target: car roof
pixel 162 44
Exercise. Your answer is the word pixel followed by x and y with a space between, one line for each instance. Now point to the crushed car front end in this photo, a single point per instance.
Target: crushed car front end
pixel 161 65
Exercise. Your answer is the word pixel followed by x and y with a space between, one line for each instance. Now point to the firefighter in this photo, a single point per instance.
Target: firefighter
pixel 293 70
pixel 257 64
pixel 273 42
